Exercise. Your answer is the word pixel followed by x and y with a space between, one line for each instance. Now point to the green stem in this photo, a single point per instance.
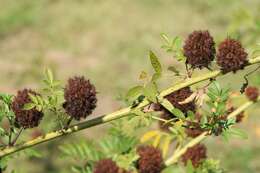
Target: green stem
pixel 174 158
pixel 112 116
pixel 17 136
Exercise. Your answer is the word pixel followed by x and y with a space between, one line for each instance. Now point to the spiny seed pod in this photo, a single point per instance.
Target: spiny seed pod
pixel 231 56
pixel 252 93
pixel 179 96
pixel 195 154
pixel 150 160
pixel 199 49
pixel 106 166
pixel 80 98
pixel 25 118
pixel 175 98
pixel 193 129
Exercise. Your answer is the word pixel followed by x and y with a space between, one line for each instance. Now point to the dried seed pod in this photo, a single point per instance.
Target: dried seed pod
pixel 150 160
pixel 25 118
pixel 179 96
pixel 199 49
pixel 231 56
pixel 80 98
pixel 193 129
pixel 106 166
pixel 195 154
pixel 175 98
pixel 252 93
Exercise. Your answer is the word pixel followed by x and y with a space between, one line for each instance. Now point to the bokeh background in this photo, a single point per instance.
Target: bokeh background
pixel 108 42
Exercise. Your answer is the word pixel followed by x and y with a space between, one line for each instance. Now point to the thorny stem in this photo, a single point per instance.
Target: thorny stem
pixel 112 116
pixel 174 158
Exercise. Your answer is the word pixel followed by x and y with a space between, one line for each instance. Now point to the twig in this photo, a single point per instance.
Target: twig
pixel 112 116
pixel 10 136
pixel 68 123
pixel 17 136
pixel 245 84
pixel 174 158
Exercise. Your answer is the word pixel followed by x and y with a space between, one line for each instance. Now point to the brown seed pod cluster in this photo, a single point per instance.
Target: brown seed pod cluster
pixel 175 98
pixel 231 56
pixel 150 161
pixel 199 48
pixel 80 98
pixel 106 166
pixel 252 93
pixel 25 118
pixel 196 154
pixel 193 129
pixel 178 96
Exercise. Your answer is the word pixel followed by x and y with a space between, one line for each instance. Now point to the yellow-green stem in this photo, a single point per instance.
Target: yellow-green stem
pixel 174 158
pixel 112 116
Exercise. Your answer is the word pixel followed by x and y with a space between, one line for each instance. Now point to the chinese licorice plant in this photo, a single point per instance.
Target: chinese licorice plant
pixel 186 115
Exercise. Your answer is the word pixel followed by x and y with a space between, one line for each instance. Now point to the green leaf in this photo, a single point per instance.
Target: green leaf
pixel 191 115
pixel 178 113
pixel 40 100
pixel 29 152
pixel 165 38
pixel 81 169
pixel 49 75
pixel 6 98
pixel 127 161
pixel 225 136
pixel 238 133
pixel 155 63
pixel 166 104
pixel 156 76
pixel 134 92
pixel 216 87
pixel 80 150
pixel 150 92
pixel 189 168
pixel 2 132
pixel 29 106
pixel 33 98
pixel 119 144
pixel 177 43
pixel 174 70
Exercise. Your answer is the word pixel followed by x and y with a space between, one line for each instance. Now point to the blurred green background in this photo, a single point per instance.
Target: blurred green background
pixel 108 42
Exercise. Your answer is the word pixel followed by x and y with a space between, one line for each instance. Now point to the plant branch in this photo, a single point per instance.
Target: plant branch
pixel 174 158
pixel 112 116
